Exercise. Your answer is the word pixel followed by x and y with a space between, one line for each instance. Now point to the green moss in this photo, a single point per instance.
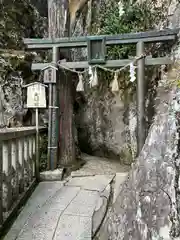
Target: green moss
pixel 126 156
pixel 18 19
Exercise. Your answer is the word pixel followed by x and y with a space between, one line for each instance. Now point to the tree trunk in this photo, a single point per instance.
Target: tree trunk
pixel 66 141
pixel 59 27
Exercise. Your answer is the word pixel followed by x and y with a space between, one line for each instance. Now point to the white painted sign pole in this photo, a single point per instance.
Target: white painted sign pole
pixel 37 145
pixel 36 98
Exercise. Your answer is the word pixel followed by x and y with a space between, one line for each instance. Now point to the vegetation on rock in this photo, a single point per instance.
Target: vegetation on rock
pixel 130 16
pixel 119 17
pixel 18 20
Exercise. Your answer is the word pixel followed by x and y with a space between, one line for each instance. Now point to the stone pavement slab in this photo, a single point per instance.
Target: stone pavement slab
pixel 42 193
pixel 93 183
pixel 71 210
pixel 42 224
pixel 73 228
pixel 83 204
pixel 64 195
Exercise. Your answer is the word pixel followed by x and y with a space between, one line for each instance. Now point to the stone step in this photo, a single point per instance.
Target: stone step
pixel 55 175
pixel 92 183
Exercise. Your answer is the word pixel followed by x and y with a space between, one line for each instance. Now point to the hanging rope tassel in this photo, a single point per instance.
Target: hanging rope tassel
pixel 115 85
pixel 121 8
pixel 80 86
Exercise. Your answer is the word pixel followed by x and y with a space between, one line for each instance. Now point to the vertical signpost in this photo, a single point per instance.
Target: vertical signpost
pixel 50 78
pixel 36 98
pixel 55 59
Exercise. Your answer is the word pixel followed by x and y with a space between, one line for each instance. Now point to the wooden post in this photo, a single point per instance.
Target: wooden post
pixel 2 122
pixel 58 15
pixel 1 186
pixel 140 98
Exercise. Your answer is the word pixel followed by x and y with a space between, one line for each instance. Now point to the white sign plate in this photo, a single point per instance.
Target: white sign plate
pixel 36 96
pixel 50 74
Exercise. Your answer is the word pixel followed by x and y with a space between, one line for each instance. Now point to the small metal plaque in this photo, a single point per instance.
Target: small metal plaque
pixel 96 50
pixel 36 95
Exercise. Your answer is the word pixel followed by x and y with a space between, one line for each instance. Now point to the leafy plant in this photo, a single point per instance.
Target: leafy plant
pixel 18 19
pixel 137 17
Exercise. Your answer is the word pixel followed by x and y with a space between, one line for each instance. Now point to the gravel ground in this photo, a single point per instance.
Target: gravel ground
pixel 98 165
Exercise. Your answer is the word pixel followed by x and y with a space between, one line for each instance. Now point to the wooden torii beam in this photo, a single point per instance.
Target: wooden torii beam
pixel 79 42
pixel 167 35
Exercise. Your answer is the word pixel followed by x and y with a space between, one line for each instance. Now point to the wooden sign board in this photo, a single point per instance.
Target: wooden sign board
pixel 50 74
pixel 36 95
pixel 96 50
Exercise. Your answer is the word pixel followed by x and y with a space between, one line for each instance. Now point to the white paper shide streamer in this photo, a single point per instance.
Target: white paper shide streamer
pixel 132 72
pixel 115 85
pixel 121 8
pixel 80 86
pixel 93 81
pixel 90 72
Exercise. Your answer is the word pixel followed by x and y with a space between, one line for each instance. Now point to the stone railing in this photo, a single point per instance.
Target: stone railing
pixel 17 167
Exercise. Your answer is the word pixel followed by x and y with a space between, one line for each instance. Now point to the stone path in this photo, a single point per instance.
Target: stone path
pixel 67 210
pixel 98 165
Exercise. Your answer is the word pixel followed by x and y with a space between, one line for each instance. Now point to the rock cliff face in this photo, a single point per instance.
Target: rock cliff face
pixel 103 126
pixel 147 207
pixel 18 19
pixel 102 130
pixel 106 123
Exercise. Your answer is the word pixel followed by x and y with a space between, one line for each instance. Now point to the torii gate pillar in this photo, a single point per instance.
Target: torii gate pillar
pixel 140 91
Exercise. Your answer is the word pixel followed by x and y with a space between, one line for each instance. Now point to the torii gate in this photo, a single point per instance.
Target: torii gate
pixel 97 55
